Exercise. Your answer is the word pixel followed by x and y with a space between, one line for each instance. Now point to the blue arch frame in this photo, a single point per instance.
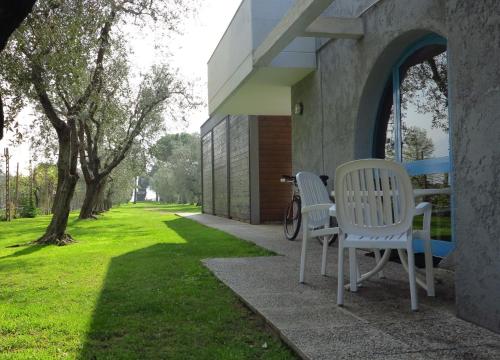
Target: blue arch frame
pixel 421 167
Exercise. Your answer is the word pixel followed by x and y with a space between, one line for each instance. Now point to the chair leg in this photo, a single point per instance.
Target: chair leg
pixel 353 270
pixel 340 274
pixel 429 268
pixel 305 235
pixel 378 257
pixel 323 257
pixel 412 278
pixel 358 274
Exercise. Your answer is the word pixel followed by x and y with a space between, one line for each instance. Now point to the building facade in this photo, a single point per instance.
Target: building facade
pixel 413 81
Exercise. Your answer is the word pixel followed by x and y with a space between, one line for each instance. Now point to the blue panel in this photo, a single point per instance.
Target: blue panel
pixel 440 248
pixel 430 166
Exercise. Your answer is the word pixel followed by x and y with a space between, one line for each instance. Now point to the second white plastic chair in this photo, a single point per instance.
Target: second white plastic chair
pixel 315 206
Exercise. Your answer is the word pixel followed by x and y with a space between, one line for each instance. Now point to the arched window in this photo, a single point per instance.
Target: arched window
pixel 413 128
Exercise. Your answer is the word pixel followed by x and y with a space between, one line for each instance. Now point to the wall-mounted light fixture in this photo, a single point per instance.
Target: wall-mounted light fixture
pixel 298 109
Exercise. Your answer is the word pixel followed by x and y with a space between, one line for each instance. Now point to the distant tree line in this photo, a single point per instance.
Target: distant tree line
pixel 32 195
pixel 176 172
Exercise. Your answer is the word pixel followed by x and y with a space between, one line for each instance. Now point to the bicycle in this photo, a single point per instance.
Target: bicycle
pixel 292 218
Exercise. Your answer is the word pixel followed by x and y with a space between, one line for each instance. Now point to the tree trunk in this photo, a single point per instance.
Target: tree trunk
pixel 92 190
pixel 67 178
pixel 135 189
pixel 37 198
pixel 99 203
pixel 108 201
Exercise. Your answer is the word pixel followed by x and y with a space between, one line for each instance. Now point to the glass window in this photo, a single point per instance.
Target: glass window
pixel 413 121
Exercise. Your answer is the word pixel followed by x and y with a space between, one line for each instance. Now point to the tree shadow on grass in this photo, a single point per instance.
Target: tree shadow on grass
pixel 159 302
pixel 129 320
pixel 26 250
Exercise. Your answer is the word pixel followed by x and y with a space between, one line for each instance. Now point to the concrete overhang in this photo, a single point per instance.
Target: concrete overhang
pixel 268 47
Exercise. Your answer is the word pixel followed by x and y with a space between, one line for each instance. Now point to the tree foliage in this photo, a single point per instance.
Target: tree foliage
pixel 176 175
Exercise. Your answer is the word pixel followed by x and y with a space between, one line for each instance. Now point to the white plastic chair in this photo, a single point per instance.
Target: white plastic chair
pixel 315 206
pixel 375 210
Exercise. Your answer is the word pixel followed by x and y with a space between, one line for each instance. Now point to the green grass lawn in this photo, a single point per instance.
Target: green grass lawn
pixel 132 287
pixel 440 226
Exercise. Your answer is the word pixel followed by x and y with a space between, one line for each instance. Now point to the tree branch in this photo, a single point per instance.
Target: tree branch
pixel 96 80
pixel 438 79
pixel 43 97
pixel 122 152
pixel 62 96
pixel 83 156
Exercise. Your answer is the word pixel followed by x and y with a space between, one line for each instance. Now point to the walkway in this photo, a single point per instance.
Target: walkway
pixel 375 323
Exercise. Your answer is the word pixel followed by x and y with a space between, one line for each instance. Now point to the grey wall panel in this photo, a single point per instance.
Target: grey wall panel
pixel 239 168
pixel 220 169
pixel 206 146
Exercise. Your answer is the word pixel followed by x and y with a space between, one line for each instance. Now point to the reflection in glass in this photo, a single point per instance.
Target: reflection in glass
pixel 424 125
pixel 424 107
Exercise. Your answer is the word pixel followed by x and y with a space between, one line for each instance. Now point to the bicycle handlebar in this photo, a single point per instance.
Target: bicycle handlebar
pixel 293 179
pixel 287 178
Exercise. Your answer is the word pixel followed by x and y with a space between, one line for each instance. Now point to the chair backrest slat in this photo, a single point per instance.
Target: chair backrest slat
pixel 386 197
pixel 358 206
pixel 395 198
pixel 374 197
pixel 313 192
pixel 370 182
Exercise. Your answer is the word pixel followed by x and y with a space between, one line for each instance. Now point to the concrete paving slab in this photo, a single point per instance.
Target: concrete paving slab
pixel 439 334
pixel 465 353
pixel 350 342
pixel 319 316
pixel 375 322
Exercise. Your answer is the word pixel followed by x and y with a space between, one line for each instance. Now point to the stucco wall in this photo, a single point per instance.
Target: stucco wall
pixel 474 46
pixel 341 101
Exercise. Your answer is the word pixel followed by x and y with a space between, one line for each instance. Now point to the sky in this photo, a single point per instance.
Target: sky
pixel 190 52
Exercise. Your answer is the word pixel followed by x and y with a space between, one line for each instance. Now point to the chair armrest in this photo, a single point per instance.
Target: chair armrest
pixel 425 208
pixel 333 210
pixel 422 208
pixel 316 207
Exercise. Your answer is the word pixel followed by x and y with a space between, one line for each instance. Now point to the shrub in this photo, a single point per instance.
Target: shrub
pixel 28 209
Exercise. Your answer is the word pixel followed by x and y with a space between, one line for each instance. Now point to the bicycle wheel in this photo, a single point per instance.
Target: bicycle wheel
pixel 292 219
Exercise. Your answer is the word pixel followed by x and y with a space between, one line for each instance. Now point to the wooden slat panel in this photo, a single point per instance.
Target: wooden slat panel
pixel 207 174
pixel 220 169
pixel 275 159
pixel 239 168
